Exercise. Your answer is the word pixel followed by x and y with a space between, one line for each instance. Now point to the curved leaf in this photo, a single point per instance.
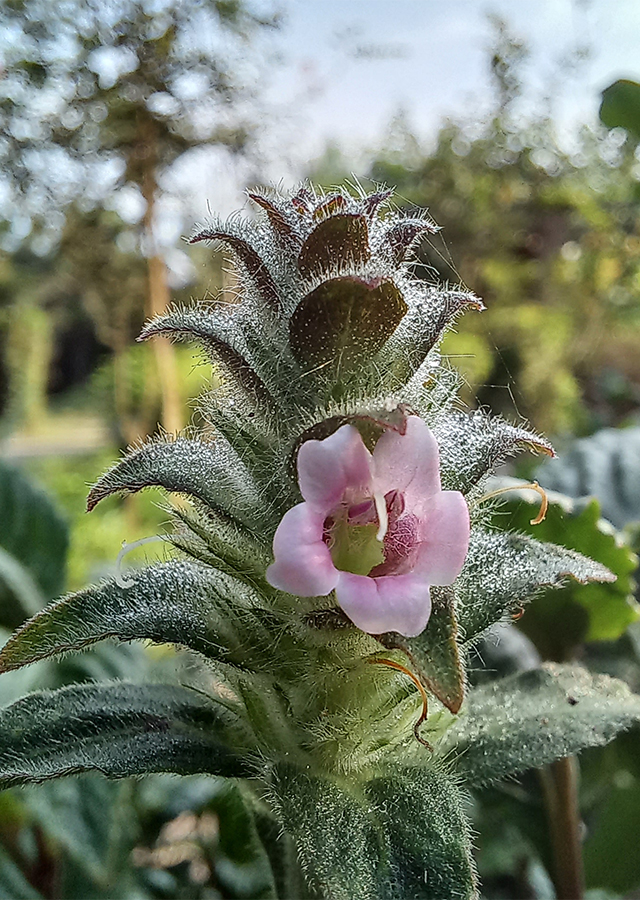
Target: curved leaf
pixel 429 313
pixel 278 219
pixel 207 470
pixel 530 719
pixel 177 602
pixel 503 571
pixel 398 240
pixel 248 257
pixel 341 240
pixel 345 320
pixel 434 653
pixel 472 445
pixel 214 332
pixel 116 729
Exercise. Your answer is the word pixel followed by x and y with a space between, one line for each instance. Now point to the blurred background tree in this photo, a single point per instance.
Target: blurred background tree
pixel 97 101
pixel 548 237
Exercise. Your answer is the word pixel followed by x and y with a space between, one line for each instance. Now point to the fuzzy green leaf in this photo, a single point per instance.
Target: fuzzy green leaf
pixel 345 321
pixel 340 845
pixel 503 571
pixel 530 719
pixel 431 309
pixel 177 602
pixel 207 470
pixel 33 548
pixel 389 839
pixel 434 654
pixel 426 835
pixel 403 236
pixel 248 258
pixel 117 729
pixel 557 621
pixel 472 445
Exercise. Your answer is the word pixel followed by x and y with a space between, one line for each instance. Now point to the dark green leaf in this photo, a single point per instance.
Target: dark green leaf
pixel 248 257
pixel 472 445
pixel 117 729
pixel 530 719
pixel 33 547
pixel 426 835
pixel 434 653
pixel 177 602
pixel 339 843
pixel 345 320
pixel 620 107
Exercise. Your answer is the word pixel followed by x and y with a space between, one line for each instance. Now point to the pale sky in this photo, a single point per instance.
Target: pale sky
pixel 346 66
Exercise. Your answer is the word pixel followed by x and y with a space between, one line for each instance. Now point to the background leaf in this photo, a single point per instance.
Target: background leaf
pixel 33 547
pixel 557 621
pixel 620 107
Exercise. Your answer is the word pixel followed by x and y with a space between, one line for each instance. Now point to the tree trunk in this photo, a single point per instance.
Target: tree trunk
pixel 158 296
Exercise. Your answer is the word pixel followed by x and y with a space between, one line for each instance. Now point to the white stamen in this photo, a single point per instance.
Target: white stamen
pixel 121 581
pixel 381 509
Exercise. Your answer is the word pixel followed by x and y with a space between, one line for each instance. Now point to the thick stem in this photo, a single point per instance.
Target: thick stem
pixel 560 786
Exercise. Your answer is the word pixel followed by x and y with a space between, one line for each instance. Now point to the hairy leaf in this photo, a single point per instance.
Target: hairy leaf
pixel 282 227
pixel 434 653
pixel 248 258
pixel 429 314
pixel 208 470
pixel 177 602
pixel 503 571
pixel 340 241
pixel 340 845
pixel 213 330
pixel 530 719
pixel 345 320
pixel 117 729
pixel 402 236
pixel 472 445
pixel 426 836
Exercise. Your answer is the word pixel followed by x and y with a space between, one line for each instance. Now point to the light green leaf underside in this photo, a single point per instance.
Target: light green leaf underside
pixel 117 729
pixel 530 719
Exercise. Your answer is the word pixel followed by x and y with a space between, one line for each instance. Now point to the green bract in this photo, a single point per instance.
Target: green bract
pixel 332 327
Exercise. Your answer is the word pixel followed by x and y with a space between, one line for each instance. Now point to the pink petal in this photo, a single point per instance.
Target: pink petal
pixel 303 564
pixel 408 463
pixel 327 468
pixel 390 603
pixel 444 538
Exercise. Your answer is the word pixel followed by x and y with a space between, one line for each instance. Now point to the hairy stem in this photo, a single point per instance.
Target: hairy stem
pixel 560 786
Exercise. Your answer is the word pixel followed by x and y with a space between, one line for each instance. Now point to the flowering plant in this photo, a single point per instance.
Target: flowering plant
pixel 332 572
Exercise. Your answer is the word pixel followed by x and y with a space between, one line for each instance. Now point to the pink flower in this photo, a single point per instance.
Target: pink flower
pixel 376 528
